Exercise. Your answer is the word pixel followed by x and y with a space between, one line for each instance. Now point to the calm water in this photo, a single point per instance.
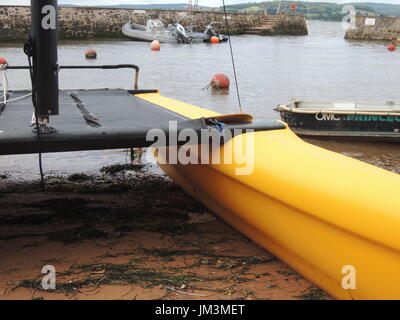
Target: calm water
pixel 271 71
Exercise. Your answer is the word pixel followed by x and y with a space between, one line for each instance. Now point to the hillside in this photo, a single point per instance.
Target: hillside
pixel 172 6
pixel 318 10
pixel 385 8
pixel 313 10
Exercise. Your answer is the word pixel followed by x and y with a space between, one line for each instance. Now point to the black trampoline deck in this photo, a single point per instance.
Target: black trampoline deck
pixel 95 120
pixel 119 120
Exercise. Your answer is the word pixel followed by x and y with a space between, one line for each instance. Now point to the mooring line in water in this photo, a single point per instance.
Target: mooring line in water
pixel 232 57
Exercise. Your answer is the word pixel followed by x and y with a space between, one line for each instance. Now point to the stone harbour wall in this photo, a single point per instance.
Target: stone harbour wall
pixel 293 25
pixel 367 28
pixel 84 22
pixel 90 22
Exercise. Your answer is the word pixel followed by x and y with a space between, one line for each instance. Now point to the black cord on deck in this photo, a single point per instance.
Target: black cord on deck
pixel 28 49
pixel 232 56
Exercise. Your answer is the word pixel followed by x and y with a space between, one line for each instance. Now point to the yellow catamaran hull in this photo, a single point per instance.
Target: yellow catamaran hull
pixel 334 219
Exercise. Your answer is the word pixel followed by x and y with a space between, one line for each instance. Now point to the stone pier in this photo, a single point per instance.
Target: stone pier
pixel 90 22
pixel 379 28
pixel 274 25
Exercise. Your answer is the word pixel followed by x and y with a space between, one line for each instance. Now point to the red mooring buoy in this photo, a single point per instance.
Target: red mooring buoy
pixel 3 62
pixel 214 39
pixel 155 45
pixel 220 81
pixel 391 47
pixel 91 54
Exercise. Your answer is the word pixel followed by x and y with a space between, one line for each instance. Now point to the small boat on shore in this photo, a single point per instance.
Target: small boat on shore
pixel 343 119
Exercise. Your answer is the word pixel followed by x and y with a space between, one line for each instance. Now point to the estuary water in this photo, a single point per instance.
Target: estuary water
pixel 271 71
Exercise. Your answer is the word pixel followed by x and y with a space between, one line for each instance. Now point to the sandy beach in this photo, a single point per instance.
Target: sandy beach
pixel 127 233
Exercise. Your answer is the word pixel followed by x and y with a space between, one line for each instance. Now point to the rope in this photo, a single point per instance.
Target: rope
pixel 4 88
pixel 232 57
pixel 218 125
pixel 28 49
pixel 4 85
pixel 16 99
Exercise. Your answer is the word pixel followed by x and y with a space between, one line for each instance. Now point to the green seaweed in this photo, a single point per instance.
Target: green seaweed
pixel 313 294
pixel 123 274
pixel 117 168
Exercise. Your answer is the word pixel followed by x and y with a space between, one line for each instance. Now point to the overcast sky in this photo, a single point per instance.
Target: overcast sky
pixel 213 3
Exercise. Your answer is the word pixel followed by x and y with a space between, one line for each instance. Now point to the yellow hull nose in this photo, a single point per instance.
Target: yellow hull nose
pixel 334 219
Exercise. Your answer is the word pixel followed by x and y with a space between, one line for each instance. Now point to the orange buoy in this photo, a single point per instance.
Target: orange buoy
pixel 3 62
pixel 155 45
pixel 214 39
pixel 391 47
pixel 293 7
pixel 91 54
pixel 220 81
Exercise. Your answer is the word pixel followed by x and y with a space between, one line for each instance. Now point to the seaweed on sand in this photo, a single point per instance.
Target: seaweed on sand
pixel 313 294
pixel 78 177
pixel 222 261
pixel 122 274
pixel 117 168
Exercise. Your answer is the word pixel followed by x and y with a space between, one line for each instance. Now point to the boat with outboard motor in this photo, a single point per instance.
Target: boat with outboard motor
pixel 156 30
pixel 208 33
pixel 176 33
pixel 334 219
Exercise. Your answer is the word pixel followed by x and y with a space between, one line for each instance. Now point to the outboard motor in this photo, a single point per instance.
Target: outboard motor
pixel 210 31
pixel 182 36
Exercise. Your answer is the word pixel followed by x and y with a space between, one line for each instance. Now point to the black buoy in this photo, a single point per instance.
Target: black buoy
pixel 44 41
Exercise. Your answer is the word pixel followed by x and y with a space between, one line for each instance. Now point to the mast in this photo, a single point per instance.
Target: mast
pixel 43 44
pixel 193 5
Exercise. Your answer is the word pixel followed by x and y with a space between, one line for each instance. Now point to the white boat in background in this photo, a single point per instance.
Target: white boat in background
pixel 176 33
pixel 156 30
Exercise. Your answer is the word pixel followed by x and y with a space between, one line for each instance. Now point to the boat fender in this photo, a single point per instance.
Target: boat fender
pixel 214 39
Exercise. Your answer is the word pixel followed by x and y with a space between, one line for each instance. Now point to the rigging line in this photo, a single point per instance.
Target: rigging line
pixel 232 57
pixel 28 51
pixel 37 126
pixel 4 85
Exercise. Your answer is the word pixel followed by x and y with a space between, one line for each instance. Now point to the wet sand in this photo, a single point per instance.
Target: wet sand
pixel 131 234
pixel 381 154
